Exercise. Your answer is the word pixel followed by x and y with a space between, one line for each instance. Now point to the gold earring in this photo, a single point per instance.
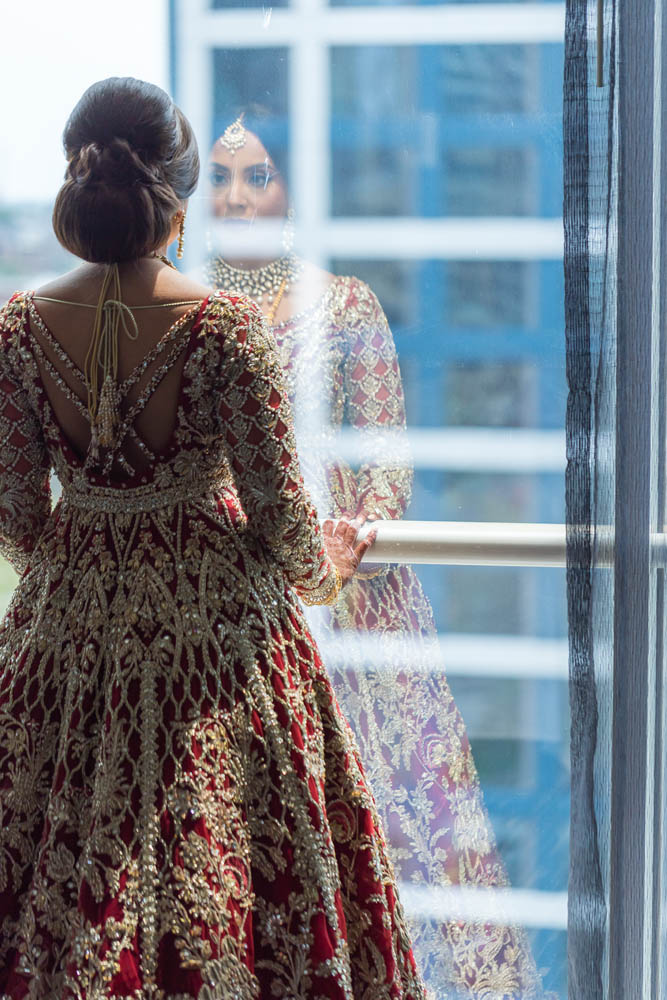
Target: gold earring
pixel 181 237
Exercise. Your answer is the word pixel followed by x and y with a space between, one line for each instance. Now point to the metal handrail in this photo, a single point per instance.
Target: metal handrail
pixel 467 543
pixel 491 543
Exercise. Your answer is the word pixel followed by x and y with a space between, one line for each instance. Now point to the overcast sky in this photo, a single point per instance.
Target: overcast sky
pixel 52 50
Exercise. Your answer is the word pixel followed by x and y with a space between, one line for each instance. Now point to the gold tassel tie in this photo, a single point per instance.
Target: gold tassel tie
pixel 102 360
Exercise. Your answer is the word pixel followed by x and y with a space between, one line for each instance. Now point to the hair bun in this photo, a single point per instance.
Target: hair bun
pixel 114 163
pixel 132 161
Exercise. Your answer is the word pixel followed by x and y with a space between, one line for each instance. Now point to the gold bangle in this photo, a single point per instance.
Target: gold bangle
pixel 331 595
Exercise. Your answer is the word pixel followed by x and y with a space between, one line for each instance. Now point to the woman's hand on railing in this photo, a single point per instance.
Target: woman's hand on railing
pixel 371 569
pixel 340 537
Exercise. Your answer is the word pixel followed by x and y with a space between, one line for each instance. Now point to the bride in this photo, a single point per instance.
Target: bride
pixel 183 814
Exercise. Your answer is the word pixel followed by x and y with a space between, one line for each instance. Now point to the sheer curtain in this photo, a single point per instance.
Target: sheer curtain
pixel 615 232
pixel 590 200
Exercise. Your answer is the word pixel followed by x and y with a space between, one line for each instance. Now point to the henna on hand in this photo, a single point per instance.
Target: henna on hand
pixel 340 538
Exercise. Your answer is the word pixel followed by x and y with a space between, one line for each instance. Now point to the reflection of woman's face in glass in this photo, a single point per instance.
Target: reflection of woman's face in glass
pixel 246 184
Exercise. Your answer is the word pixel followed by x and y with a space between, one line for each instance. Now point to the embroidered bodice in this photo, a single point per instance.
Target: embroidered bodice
pixel 232 430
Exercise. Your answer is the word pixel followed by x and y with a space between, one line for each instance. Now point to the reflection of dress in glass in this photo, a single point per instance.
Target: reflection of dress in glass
pixel 182 812
pixel 341 364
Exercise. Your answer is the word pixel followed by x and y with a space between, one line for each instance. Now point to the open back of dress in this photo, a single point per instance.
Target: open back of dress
pixel 148 392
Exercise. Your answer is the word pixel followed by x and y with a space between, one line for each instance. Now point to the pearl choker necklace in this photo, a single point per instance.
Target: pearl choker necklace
pixel 256 282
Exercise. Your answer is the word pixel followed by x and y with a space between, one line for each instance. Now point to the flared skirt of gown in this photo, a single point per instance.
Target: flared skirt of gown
pixel 183 812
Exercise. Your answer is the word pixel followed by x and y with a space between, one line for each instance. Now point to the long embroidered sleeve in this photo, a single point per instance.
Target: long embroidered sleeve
pixel 374 404
pixel 257 424
pixel 25 493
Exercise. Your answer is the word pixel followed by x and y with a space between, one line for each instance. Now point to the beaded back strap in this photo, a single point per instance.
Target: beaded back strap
pixel 110 314
pixel 103 404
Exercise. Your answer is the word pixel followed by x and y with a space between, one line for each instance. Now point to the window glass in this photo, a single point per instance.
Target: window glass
pixel 491 294
pixel 422 163
pixel 230 4
pixel 430 3
pixel 491 395
pixel 453 130
pixel 444 133
pixel 28 247
pixel 249 76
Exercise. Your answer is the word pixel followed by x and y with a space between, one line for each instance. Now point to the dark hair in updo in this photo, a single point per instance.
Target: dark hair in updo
pixel 132 160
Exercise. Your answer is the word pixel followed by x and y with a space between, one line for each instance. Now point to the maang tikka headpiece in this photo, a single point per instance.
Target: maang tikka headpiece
pixel 234 136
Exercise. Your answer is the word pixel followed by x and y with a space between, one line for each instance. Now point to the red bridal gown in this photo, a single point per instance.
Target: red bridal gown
pixel 182 809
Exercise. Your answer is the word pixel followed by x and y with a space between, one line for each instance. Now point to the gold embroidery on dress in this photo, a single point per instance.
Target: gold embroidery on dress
pixel 169 743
